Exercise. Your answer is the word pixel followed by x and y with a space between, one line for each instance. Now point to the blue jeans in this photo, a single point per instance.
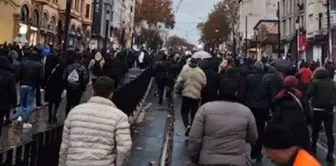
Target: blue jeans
pixel 27 96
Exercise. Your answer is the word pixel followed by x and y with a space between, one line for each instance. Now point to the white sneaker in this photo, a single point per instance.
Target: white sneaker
pixel 27 125
pixel 19 120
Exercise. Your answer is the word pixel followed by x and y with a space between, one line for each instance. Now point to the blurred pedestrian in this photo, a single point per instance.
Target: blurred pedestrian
pixel 54 89
pixel 97 130
pixel 288 109
pixel 96 66
pixel 76 77
pixel 221 129
pixel 322 92
pixel 30 78
pixel 189 84
pixel 8 97
pixel 280 147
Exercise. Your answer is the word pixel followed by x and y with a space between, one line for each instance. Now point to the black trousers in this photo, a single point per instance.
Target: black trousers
pixel 189 106
pixel 327 117
pixel 73 98
pixel 161 88
pixel 52 109
pixel 1 124
pixel 38 96
pixel 261 116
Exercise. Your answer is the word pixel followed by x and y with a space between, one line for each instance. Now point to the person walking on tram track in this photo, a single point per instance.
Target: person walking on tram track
pixel 257 100
pixel 322 91
pixel 280 146
pixel 76 78
pixel 96 133
pixel 8 97
pixel 221 129
pixel 290 108
pixel 189 84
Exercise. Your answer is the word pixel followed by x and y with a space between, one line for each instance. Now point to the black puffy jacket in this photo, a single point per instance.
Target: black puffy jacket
pixel 31 73
pixel 8 97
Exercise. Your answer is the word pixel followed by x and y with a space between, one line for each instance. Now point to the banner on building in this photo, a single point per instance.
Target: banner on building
pixel 302 42
pixel 97 15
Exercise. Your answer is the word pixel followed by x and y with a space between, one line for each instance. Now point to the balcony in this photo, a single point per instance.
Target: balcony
pixel 43 1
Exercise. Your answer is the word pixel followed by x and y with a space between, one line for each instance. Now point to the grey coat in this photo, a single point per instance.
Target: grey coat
pixel 219 134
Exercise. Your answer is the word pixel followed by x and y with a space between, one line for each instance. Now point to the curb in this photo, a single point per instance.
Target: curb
pixel 167 147
pixel 132 119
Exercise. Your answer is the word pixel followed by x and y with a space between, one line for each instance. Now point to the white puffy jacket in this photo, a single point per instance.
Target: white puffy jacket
pixel 95 134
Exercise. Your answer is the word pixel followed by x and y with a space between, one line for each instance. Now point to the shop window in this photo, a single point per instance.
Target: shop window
pixel 24 15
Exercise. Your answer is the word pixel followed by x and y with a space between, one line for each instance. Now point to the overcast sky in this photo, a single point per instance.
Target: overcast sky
pixel 191 12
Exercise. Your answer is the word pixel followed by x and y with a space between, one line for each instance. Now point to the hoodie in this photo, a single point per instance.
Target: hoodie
pixel 322 89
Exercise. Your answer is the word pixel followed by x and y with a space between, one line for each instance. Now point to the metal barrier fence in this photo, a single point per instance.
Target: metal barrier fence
pixel 43 150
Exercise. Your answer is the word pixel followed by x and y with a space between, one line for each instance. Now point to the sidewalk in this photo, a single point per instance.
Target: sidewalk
pixel 147 134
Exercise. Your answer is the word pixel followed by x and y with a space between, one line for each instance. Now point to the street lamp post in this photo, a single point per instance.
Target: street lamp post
pixel 67 22
pixel 246 48
pixel 297 28
pixel 329 31
pixel 279 31
pixel 107 24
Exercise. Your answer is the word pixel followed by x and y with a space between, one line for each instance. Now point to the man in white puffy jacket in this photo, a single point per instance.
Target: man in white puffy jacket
pixel 96 133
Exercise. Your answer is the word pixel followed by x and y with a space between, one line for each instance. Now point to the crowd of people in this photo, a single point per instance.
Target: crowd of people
pixel 229 101
pixel 34 70
pixel 226 103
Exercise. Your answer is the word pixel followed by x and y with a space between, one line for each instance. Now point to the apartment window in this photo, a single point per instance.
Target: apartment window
pixel 87 11
pixel 81 6
pixel 284 33
pixel 320 21
pixel 283 8
pixel 76 4
pixel 333 5
pixel 290 26
pixel 131 9
pixel 301 21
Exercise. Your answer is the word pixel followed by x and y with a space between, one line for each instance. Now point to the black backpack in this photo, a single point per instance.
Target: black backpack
pixel 96 68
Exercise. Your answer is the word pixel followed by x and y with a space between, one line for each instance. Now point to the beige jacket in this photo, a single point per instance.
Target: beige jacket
pixel 95 134
pixel 219 134
pixel 190 82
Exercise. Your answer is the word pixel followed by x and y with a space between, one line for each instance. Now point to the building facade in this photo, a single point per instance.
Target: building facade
pixel 43 21
pixel 251 11
pixel 120 14
pixel 292 12
pixel 80 22
pixel 317 29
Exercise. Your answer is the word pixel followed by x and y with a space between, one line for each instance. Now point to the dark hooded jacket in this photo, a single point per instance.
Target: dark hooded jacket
pixel 209 92
pixel 255 95
pixel 55 83
pixel 31 72
pixel 322 89
pixel 8 97
pixel 273 82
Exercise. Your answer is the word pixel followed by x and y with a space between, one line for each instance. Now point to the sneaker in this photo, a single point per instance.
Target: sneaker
pixel 27 125
pixel 19 120
pixel 187 131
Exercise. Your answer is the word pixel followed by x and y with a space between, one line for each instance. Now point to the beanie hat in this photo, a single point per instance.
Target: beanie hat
pixel 290 82
pixel 278 136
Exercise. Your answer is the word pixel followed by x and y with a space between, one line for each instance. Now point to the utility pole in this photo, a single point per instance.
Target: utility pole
pixel 329 31
pixel 66 25
pixel 279 31
pixel 246 48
